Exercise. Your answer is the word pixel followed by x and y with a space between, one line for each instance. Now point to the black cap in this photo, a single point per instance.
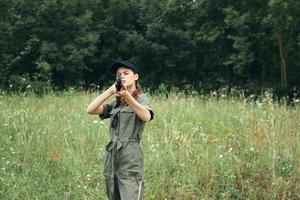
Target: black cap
pixel 125 63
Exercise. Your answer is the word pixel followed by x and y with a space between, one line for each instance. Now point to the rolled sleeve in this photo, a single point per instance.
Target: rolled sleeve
pixel 143 100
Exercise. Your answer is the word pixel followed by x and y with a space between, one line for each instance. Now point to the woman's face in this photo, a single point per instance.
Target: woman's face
pixel 128 76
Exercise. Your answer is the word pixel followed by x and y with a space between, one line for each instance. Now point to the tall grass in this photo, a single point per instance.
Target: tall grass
pixel 196 148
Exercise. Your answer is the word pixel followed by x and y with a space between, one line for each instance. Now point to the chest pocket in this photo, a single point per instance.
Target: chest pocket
pixel 127 119
pixel 127 109
pixel 127 115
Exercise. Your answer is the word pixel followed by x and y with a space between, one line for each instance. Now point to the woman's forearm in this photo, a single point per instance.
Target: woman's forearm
pixel 95 107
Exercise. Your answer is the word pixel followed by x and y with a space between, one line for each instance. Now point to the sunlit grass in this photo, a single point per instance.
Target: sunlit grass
pixel 196 148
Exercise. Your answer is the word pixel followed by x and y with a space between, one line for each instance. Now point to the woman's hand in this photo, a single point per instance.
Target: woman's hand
pixel 112 89
pixel 122 93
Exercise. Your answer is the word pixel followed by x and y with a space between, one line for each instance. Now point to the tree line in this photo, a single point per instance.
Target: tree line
pixel 199 44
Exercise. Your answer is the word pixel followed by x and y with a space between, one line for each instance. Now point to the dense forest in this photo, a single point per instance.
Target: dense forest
pixel 200 44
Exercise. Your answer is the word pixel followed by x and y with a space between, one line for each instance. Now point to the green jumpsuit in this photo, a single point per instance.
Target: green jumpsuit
pixel 123 161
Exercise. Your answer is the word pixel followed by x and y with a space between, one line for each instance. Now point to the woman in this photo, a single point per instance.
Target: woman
pixel 123 163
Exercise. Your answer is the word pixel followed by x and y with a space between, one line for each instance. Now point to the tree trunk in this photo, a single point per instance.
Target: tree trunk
pixel 282 65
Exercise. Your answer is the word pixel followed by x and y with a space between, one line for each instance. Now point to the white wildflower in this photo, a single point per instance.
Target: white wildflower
pixel 89 177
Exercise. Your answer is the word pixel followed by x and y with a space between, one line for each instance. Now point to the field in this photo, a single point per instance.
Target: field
pixel 198 147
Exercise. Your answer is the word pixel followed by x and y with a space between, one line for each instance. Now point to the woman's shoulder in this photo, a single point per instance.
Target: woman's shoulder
pixel 142 96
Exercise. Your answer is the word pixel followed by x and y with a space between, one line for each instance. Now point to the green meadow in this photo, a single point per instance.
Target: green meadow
pixel 197 147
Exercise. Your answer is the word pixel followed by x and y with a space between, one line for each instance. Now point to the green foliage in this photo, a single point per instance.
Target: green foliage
pixel 208 44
